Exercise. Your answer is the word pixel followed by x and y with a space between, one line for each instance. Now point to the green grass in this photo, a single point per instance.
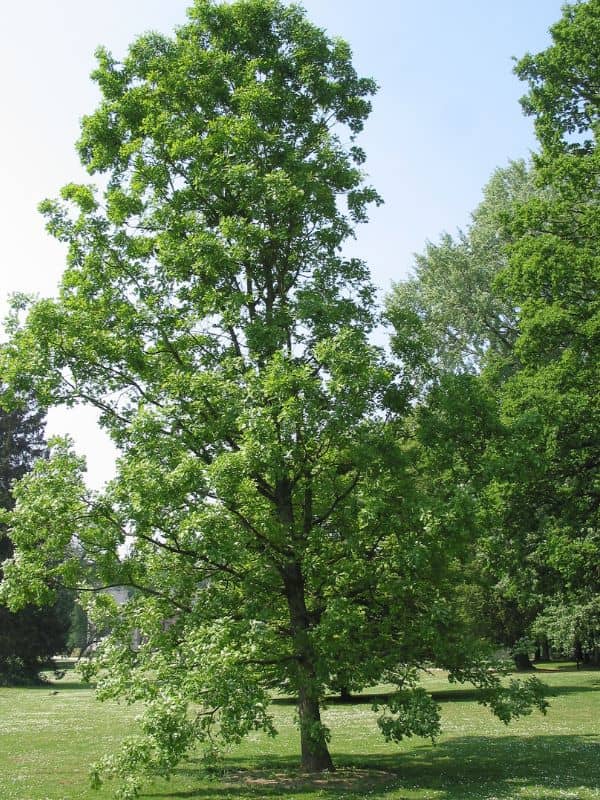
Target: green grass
pixel 50 735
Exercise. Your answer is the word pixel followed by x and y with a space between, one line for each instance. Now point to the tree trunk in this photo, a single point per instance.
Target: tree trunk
pixel 578 653
pixel 345 695
pixel 315 754
pixel 313 735
pixel 546 650
pixel 522 662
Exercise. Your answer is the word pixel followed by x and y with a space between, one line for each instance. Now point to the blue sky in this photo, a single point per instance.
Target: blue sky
pixel 446 115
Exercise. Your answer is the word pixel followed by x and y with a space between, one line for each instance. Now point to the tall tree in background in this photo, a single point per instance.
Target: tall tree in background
pixel 449 314
pixel 554 278
pixel 264 510
pixel 449 320
pixel 516 301
pixel 30 637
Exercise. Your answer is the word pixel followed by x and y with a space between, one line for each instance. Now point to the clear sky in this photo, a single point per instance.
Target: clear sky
pixel 446 115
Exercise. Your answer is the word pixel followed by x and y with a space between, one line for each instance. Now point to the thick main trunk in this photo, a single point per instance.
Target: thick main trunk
pixel 315 754
pixel 313 735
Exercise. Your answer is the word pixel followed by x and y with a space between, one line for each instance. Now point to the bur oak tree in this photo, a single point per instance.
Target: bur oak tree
pixel 265 512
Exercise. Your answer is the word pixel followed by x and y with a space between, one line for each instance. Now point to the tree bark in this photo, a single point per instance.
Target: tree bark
pixel 522 662
pixel 546 650
pixel 313 735
pixel 315 753
pixel 345 695
pixel 578 653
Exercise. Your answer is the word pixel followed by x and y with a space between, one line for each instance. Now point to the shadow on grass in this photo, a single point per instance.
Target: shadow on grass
pixel 463 768
pixel 472 694
pixel 56 686
pixel 62 676
pixel 52 686
pixel 71 685
pixel 451 694
pixel 557 666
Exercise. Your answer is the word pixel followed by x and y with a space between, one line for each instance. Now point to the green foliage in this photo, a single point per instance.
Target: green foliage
pixel 517 699
pixel 571 628
pixel 30 637
pixel 448 315
pixel 515 301
pixel 78 629
pixel 554 277
pixel 416 714
pixel 563 81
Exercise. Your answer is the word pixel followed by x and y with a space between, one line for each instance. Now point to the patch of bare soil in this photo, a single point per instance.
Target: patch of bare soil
pixel 342 779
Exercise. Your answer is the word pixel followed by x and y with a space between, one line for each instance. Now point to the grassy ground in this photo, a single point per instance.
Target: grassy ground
pixel 50 735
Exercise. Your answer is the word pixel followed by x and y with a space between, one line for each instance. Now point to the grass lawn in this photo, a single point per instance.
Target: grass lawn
pixel 50 735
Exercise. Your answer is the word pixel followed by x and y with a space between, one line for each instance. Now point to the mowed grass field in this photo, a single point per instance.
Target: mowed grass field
pixel 49 736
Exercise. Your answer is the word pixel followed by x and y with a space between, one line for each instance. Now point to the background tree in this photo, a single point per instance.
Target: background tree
pixel 571 629
pixel 79 634
pixel 554 277
pixel 452 318
pixel 449 314
pixel 208 312
pixel 524 307
pixel 29 637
